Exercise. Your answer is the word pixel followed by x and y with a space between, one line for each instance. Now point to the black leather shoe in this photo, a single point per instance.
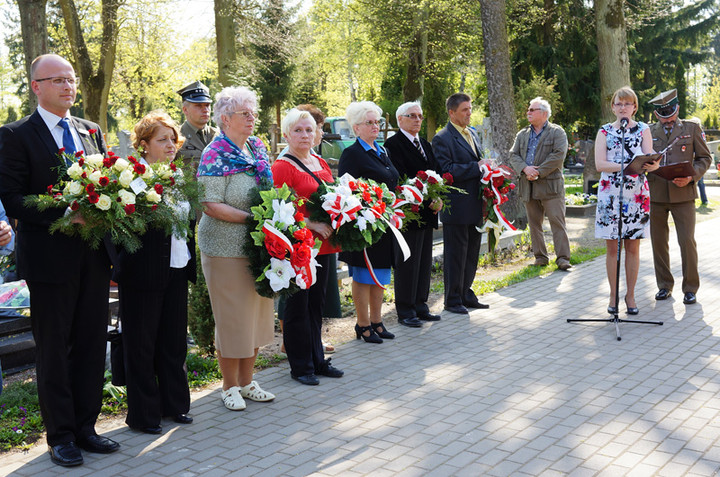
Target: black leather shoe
pixel 372 336
pixel 98 444
pixel 148 430
pixel 459 309
pixel 411 322
pixel 429 317
pixel 183 419
pixel 330 371
pixel 66 455
pixel 631 310
pixel 612 310
pixel 475 304
pixel 689 298
pixel 308 379
pixel 663 294
pixel 382 331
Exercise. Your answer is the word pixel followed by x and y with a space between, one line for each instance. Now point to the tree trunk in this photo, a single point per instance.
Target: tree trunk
pixel 225 40
pixel 95 84
pixel 413 87
pixel 612 51
pixel 500 92
pixel 33 26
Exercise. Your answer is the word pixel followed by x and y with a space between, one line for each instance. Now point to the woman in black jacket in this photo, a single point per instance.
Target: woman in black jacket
pixel 366 159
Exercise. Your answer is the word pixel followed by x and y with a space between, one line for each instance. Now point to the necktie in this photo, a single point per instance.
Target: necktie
pixel 419 148
pixel 68 142
pixel 203 141
pixel 468 137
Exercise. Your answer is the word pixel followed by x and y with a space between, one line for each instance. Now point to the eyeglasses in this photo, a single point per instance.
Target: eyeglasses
pixel 246 114
pixel 371 123
pixel 624 105
pixel 60 80
pixel 413 116
pixel 532 110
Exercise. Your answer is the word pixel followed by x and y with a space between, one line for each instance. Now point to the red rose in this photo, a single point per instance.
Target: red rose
pixel 487 192
pixel 103 181
pixel 79 153
pixel 173 166
pixel 154 207
pixel 93 197
pixel 58 196
pixel 366 196
pixel 74 205
pixel 504 190
pixel 419 184
pixel 305 236
pixel 107 162
pixel 352 185
pixel 378 191
pixel 159 188
pixel 422 175
pixel 416 208
pixel 448 178
pixel 139 169
pixel 84 175
pixel 512 186
pixel 61 150
pixel 299 217
pixel 118 199
pixel 111 154
pixel 81 162
pixel 90 188
pixel 92 131
pixel 498 181
pixel 432 180
pixel 503 200
pixel 301 255
pixel 129 209
pixel 275 247
pixel 132 159
pixel 49 189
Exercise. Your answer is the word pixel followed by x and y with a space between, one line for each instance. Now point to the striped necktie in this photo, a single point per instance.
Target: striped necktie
pixel 419 148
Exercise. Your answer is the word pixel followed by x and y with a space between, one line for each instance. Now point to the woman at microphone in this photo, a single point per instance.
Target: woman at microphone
pixel 609 155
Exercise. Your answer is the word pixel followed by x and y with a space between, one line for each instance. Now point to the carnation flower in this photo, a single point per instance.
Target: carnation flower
pixel 159 188
pixel 104 181
pixel 93 197
pixel 92 131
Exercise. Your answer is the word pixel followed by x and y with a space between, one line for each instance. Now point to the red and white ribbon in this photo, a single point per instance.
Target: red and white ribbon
pixel 272 231
pixel 488 175
pixel 339 210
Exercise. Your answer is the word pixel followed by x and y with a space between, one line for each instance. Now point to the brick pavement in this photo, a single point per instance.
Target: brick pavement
pixel 514 390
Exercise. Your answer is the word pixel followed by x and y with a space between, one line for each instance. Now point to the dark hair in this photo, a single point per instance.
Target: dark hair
pixel 314 111
pixel 455 100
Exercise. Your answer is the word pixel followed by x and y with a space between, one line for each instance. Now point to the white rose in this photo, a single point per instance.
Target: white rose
pixel 149 173
pixel 126 177
pixel 121 164
pixel 153 196
pixel 95 177
pixel 95 160
pixel 104 202
pixel 75 171
pixel 73 188
pixel 126 197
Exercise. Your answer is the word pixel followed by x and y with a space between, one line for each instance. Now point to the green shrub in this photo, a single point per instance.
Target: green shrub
pixel 20 421
pixel 202 370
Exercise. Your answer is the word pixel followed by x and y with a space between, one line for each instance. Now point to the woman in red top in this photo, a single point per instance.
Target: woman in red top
pixel 303 171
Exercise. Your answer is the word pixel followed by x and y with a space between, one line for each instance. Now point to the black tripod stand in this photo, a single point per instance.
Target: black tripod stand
pixel 615 319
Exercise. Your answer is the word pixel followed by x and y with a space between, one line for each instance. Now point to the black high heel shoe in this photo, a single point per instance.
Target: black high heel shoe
pixel 384 333
pixel 632 310
pixel 612 310
pixel 373 338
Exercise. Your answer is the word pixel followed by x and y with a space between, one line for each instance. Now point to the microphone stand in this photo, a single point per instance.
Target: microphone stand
pixel 616 319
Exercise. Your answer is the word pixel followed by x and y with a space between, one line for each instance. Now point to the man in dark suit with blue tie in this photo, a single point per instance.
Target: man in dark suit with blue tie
pixel 410 153
pixel 457 150
pixel 68 281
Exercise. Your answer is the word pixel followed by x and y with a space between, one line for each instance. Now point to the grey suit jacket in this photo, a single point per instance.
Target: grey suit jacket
pixel 549 157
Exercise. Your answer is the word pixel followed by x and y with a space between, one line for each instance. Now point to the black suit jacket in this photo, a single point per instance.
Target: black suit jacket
pixel 408 161
pixel 360 163
pixel 454 155
pixel 28 165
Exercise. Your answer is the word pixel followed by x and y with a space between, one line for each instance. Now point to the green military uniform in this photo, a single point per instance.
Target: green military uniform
pixel 667 198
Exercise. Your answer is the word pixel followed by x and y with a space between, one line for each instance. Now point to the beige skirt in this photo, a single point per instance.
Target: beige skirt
pixel 243 319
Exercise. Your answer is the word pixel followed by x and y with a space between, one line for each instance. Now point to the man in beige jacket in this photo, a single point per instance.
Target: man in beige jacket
pixel 537 156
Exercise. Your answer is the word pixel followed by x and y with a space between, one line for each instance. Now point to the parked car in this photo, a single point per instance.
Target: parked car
pixel 337 135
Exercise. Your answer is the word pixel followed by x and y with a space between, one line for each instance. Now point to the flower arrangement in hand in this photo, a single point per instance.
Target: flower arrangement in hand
pixel 359 210
pixel 281 249
pixel 495 184
pixel 116 196
pixel 427 188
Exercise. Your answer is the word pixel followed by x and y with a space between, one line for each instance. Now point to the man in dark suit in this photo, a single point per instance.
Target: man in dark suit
pixel 410 154
pixel 457 150
pixel 68 281
pixel 537 157
pixel 676 197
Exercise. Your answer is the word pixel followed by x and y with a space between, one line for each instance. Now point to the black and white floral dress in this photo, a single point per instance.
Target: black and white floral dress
pixel 636 192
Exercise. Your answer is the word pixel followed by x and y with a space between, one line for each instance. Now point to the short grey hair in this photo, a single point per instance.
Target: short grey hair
pixel 544 105
pixel 293 117
pixel 405 107
pixel 357 112
pixel 230 99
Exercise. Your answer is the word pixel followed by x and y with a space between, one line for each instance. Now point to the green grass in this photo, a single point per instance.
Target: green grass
pixel 20 421
pixel 573 189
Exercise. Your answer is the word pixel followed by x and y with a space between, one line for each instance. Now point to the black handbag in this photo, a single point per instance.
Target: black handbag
pixel 117 357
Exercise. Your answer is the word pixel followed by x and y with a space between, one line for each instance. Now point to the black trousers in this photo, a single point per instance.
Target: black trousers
pixel 412 277
pixel 303 324
pixel 69 324
pixel 461 249
pixel 154 328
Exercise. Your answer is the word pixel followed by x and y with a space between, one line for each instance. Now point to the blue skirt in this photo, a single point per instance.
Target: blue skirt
pixel 362 275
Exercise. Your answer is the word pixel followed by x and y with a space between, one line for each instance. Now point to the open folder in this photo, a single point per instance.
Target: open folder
pixel 636 165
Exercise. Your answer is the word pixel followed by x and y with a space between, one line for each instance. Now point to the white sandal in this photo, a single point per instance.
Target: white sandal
pixel 253 392
pixel 232 399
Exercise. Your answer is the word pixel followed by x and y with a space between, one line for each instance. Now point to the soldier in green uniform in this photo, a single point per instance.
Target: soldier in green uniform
pixel 676 197
pixel 196 108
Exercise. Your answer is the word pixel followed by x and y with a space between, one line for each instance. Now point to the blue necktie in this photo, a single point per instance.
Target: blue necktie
pixel 68 142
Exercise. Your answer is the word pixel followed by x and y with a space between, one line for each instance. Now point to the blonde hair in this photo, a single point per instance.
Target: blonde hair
pixel 625 93
pixel 293 117
pixel 146 128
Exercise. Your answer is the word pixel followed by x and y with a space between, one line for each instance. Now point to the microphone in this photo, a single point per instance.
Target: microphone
pixel 624 123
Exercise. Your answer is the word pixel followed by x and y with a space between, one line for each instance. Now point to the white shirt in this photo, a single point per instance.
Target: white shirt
pixel 411 137
pixel 52 122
